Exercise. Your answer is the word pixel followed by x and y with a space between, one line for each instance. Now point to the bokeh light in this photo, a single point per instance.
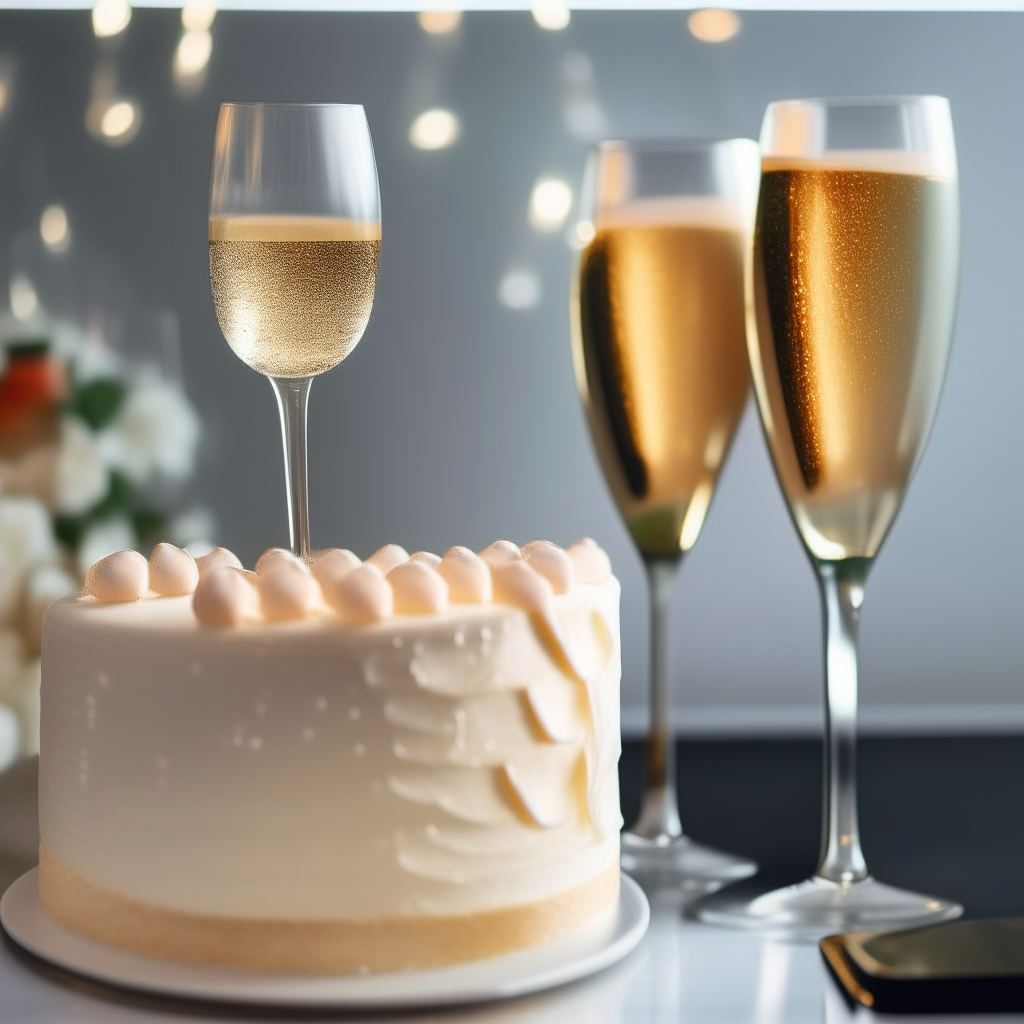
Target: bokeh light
pixel 197 17
pixel 54 229
pixel 520 289
pixel 551 15
pixel 714 25
pixel 439 23
pixel 120 121
pixel 434 129
pixel 110 18
pixel 550 204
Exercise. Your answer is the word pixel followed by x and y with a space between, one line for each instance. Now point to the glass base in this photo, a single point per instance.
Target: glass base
pixel 812 909
pixel 679 861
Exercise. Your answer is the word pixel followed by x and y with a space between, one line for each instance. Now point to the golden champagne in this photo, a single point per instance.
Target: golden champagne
pixel 293 295
pixel 854 283
pixel 659 349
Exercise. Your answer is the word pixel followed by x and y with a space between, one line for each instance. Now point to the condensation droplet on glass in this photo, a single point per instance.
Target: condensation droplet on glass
pixel 162 764
pixel 359 749
pixel 354 714
pixel 418 672
pixel 418 648
pixel 397 642
pixel 103 679
pixel 460 638
pixel 255 743
pixel 486 633
pixel 196 668
pixel 307 734
pixel 321 704
pixel 261 708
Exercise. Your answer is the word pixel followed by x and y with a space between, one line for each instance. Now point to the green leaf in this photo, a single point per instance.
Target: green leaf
pixel 27 348
pixel 149 525
pixel 99 401
pixel 69 530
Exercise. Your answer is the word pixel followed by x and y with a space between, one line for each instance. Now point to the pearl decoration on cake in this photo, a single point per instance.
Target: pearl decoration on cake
pixel 122 576
pixel 468 576
pixel 361 596
pixel 418 589
pixel 389 582
pixel 387 557
pixel 521 586
pixel 590 562
pixel 426 557
pixel 551 562
pixel 333 563
pixel 287 590
pixel 501 551
pixel 172 571
pixel 225 597
pixel 215 559
pixel 273 557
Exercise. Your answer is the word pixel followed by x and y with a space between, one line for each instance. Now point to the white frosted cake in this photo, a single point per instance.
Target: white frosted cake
pixel 401 763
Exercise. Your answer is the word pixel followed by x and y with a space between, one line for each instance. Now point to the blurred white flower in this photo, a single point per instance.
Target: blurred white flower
pixel 10 737
pixel 92 359
pixel 156 432
pixel 26 540
pixel 12 654
pixel 15 692
pixel 104 538
pixel 46 584
pixel 81 475
pixel 32 473
pixel 193 529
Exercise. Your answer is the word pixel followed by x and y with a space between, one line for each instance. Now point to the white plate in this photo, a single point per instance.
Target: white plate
pixel 591 949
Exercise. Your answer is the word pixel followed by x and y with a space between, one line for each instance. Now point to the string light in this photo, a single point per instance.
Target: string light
pixel 23 297
pixel 551 15
pixel 714 25
pixel 197 17
pixel 439 23
pixel 434 129
pixel 550 204
pixel 54 229
pixel 519 289
pixel 110 18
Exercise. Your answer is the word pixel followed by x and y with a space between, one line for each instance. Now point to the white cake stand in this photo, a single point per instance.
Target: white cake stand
pixel 585 952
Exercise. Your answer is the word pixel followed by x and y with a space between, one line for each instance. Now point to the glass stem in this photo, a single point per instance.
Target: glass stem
pixel 842 589
pixel 659 812
pixel 292 400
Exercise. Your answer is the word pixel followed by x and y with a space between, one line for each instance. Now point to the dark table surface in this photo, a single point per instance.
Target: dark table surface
pixel 938 815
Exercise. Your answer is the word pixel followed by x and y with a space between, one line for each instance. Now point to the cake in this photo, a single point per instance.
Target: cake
pixel 349 766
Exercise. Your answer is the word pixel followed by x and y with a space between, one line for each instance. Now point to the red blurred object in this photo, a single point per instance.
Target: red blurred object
pixel 32 388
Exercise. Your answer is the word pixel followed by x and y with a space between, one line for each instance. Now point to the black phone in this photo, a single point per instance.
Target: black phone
pixel 960 967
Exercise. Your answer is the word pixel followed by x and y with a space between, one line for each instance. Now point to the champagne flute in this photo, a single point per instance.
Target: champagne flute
pixel 853 290
pixel 659 353
pixel 294 249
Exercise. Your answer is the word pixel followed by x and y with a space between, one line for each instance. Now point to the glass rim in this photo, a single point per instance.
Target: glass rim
pixel 280 103
pixel 885 100
pixel 669 144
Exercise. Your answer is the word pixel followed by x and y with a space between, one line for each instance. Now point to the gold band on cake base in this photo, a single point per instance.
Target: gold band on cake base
pixel 315 947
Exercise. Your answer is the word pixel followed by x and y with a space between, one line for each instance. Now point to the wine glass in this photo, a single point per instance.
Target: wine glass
pixel 853 290
pixel 294 249
pixel 659 352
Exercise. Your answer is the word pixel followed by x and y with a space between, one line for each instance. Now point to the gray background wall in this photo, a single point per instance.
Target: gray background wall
pixel 456 419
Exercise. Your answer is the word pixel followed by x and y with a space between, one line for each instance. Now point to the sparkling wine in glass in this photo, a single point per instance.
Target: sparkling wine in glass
pixel 853 287
pixel 294 248
pixel 659 344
